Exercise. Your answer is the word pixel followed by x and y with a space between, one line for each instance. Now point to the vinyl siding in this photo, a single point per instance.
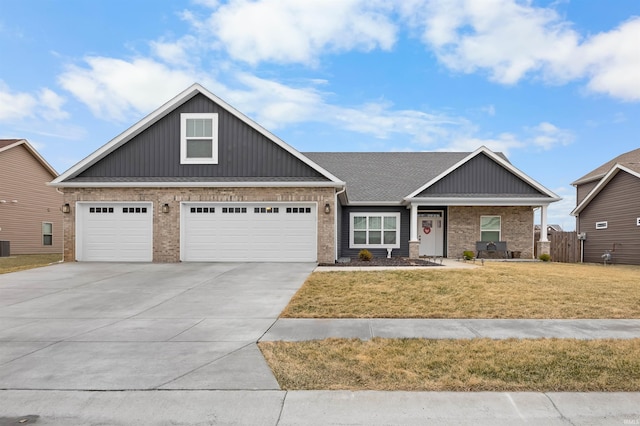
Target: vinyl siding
pixel 242 151
pixel 618 203
pixel 405 215
pixel 583 190
pixel 23 178
pixel 480 176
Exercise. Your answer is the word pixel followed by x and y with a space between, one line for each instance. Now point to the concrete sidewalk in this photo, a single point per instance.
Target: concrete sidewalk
pixel 297 329
pixel 282 408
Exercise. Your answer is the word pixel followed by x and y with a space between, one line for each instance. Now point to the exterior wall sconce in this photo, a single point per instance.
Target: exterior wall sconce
pixel 327 208
pixel 165 208
pixel 66 208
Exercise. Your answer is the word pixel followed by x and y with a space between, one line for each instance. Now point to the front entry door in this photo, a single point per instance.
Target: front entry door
pixel 430 234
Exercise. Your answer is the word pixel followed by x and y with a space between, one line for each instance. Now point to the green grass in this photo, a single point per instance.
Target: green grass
pixel 27 261
pixel 497 290
pixel 541 365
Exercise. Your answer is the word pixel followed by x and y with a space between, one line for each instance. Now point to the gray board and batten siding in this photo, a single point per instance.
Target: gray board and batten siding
pixel 480 176
pixel 405 217
pixel 618 204
pixel 243 152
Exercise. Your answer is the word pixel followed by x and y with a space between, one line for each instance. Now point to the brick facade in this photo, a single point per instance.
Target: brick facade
pixel 166 226
pixel 464 228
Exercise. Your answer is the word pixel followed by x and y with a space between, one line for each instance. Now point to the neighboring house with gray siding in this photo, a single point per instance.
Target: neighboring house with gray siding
pixel 30 217
pixel 608 210
pixel 197 180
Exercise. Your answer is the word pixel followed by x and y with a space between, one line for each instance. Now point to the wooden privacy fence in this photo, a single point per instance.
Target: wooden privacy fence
pixel 565 246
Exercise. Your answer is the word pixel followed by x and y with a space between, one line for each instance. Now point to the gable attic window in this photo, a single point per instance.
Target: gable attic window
pixel 199 138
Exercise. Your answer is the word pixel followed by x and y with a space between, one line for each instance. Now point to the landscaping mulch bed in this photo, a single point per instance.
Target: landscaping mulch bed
pixel 383 261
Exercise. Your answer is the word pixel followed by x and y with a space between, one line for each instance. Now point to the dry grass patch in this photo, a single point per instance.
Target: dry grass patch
pixel 497 290
pixel 541 365
pixel 27 261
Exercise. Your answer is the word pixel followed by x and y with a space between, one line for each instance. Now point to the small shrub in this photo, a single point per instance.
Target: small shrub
pixel 467 255
pixel 365 255
pixel 545 257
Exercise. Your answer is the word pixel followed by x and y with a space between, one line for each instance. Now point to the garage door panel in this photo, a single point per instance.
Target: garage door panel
pixel 115 232
pixel 249 232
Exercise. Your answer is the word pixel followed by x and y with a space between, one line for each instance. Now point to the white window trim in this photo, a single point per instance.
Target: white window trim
pixel 602 225
pixel 352 215
pixel 183 138
pixel 492 230
pixel 43 234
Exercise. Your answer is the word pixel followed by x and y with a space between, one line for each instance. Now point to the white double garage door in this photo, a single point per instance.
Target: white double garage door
pixel 209 232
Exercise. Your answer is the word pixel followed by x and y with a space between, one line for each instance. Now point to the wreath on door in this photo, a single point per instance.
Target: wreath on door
pixel 426 230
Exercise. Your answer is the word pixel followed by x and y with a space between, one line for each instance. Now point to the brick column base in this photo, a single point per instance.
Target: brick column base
pixel 544 247
pixel 414 249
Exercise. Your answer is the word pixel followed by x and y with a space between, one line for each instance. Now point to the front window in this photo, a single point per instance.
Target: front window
pixel 490 228
pixel 373 230
pixel 199 138
pixel 47 233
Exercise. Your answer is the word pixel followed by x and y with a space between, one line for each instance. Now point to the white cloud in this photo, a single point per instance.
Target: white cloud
pixel 51 104
pixel 547 136
pixel 294 31
pixel 15 105
pixel 507 38
pixel 178 52
pixel 505 142
pixel 114 88
pixel 45 104
pixel 613 62
pixel 511 40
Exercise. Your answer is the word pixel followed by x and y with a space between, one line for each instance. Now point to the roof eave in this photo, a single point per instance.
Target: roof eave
pixel 603 182
pixel 482 201
pixel 174 184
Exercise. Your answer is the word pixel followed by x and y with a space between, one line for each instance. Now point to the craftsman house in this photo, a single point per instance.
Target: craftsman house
pixel 30 217
pixel 197 180
pixel 608 211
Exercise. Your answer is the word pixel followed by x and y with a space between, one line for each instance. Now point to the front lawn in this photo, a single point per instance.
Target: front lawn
pixel 542 365
pixel 496 290
pixel 27 261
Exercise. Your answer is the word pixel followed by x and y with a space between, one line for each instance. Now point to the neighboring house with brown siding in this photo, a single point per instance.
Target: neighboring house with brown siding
pixel 608 210
pixel 197 180
pixel 30 216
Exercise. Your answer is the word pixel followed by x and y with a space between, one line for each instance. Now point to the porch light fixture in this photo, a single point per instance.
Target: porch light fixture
pixel 66 208
pixel 165 208
pixel 327 208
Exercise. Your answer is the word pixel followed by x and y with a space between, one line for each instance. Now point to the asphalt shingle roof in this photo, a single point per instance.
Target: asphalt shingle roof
pixel 385 176
pixel 629 159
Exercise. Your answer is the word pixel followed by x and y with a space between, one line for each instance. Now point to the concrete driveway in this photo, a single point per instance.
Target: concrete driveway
pixel 115 326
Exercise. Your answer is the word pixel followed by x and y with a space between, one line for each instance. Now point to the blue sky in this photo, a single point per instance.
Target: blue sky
pixel 553 84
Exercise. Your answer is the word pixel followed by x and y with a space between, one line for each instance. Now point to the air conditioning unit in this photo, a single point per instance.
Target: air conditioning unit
pixel 582 236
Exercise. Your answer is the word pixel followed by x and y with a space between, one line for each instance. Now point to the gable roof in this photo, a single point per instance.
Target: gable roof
pixel 629 159
pixel 384 177
pixel 634 170
pixel 7 144
pixel 399 177
pixel 154 117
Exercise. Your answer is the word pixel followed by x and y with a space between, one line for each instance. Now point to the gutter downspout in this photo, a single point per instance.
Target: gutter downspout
pixel 335 222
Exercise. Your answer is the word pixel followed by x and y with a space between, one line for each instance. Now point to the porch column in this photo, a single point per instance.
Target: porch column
pixel 543 223
pixel 414 244
pixel 413 235
pixel 543 244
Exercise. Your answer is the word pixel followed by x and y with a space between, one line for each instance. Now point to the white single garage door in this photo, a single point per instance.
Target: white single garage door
pixel 249 232
pixel 114 232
